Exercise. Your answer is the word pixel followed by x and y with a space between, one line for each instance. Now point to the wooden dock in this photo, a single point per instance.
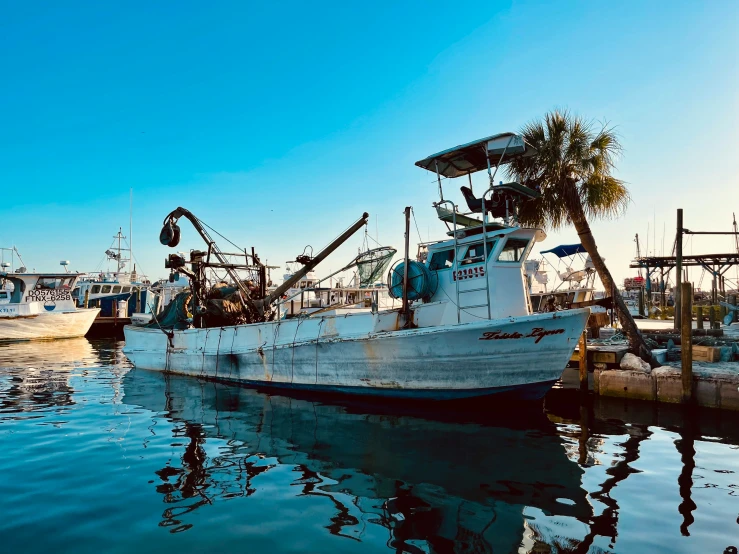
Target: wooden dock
pixel 108 328
pixel 607 356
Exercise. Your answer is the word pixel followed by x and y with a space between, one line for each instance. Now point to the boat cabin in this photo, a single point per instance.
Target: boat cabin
pixel 478 273
pixel 29 294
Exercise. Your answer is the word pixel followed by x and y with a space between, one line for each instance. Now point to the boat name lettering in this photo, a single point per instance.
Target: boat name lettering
pixel 45 295
pixel 468 273
pixel 7 310
pixel 537 332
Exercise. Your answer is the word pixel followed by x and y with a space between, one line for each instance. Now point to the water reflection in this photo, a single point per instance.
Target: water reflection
pixel 203 462
pixel 435 484
pixel 36 376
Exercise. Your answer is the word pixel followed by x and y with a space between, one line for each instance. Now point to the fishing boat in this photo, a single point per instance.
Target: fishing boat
pixel 465 327
pixel 117 292
pixel 40 306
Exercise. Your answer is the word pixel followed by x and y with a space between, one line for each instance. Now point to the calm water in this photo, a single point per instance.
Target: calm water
pixel 96 456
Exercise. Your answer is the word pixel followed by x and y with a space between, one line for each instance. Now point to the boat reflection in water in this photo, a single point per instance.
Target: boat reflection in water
pixel 470 484
pixel 36 374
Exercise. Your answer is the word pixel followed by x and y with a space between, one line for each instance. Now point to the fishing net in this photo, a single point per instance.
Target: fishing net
pixel 371 265
pixel 176 315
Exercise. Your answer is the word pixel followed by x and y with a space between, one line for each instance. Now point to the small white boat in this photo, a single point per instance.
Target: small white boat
pixel 575 272
pixel 40 306
pixel 466 327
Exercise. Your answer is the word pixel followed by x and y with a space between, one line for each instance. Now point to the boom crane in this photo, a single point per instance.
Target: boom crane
pixel 170 236
pixel 255 301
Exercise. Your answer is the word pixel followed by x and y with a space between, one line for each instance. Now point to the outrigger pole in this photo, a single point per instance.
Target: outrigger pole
pixel 322 255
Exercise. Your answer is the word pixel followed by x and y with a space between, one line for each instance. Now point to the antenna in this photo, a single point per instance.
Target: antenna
pixel 130 223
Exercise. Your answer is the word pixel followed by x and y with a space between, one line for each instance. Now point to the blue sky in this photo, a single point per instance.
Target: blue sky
pixel 280 123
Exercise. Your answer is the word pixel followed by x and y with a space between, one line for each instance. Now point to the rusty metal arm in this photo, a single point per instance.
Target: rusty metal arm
pixel 322 255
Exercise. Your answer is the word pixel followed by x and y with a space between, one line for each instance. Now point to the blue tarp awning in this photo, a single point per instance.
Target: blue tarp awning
pixel 565 250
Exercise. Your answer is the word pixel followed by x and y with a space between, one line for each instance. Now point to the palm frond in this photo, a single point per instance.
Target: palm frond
pixel 572 170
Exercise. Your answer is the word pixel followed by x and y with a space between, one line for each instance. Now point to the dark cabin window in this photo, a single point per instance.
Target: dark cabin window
pixel 96 289
pixel 116 289
pixel 442 260
pixel 513 250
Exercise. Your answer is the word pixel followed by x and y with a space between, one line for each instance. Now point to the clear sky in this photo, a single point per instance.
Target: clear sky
pixel 280 123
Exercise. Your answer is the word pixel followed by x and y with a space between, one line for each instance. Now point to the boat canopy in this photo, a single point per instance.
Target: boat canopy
pixel 475 156
pixel 565 250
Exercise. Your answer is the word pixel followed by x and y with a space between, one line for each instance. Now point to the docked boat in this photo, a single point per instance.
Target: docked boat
pixel 40 306
pixel 466 327
pixel 117 292
pixel 575 282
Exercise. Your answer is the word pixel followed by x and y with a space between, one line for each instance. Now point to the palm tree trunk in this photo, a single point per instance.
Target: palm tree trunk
pixel 637 344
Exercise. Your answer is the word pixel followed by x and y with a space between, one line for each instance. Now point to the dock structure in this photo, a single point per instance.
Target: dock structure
pixel 108 328
pixel 711 378
pixel 716 264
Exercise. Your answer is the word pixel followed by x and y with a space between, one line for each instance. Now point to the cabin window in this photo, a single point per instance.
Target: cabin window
pixel 476 252
pixel 49 283
pixel 116 289
pixel 513 250
pixel 4 295
pixel 96 289
pixel 443 259
pixel 106 289
pixel 126 289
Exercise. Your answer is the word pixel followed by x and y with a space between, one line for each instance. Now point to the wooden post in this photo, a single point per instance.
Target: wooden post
pixel 699 317
pixel 711 317
pixel 613 308
pixel 406 303
pixel 678 265
pixel 686 338
pixel 583 348
pixel 641 301
pixel 87 298
pixel 732 301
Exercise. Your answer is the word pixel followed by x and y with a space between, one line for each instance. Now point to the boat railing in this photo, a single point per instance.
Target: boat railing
pixel 456 253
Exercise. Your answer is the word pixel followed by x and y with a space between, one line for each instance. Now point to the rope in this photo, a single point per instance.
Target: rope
pixel 413 213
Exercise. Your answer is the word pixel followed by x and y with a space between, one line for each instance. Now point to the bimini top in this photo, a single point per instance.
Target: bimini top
pixel 474 156
pixel 565 250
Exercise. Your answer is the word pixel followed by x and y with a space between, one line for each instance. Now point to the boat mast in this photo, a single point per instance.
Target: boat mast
pixel 130 224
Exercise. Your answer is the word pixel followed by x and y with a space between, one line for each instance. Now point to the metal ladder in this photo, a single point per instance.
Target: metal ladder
pixel 455 265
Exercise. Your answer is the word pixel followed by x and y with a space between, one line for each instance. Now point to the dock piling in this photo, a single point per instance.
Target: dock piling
pixel 711 317
pixel 678 266
pixel 699 317
pixel 686 339
pixel 583 351
pixel 87 298
pixel 732 301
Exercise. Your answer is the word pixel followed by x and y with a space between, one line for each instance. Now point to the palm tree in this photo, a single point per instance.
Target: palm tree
pixel 572 172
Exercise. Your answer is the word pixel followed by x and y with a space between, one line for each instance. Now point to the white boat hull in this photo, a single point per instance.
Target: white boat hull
pixel 51 325
pixel 522 355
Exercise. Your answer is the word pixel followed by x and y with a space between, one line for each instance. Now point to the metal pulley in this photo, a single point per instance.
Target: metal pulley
pixel 170 234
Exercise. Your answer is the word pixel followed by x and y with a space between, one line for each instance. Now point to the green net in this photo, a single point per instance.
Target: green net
pixel 371 265
pixel 176 314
